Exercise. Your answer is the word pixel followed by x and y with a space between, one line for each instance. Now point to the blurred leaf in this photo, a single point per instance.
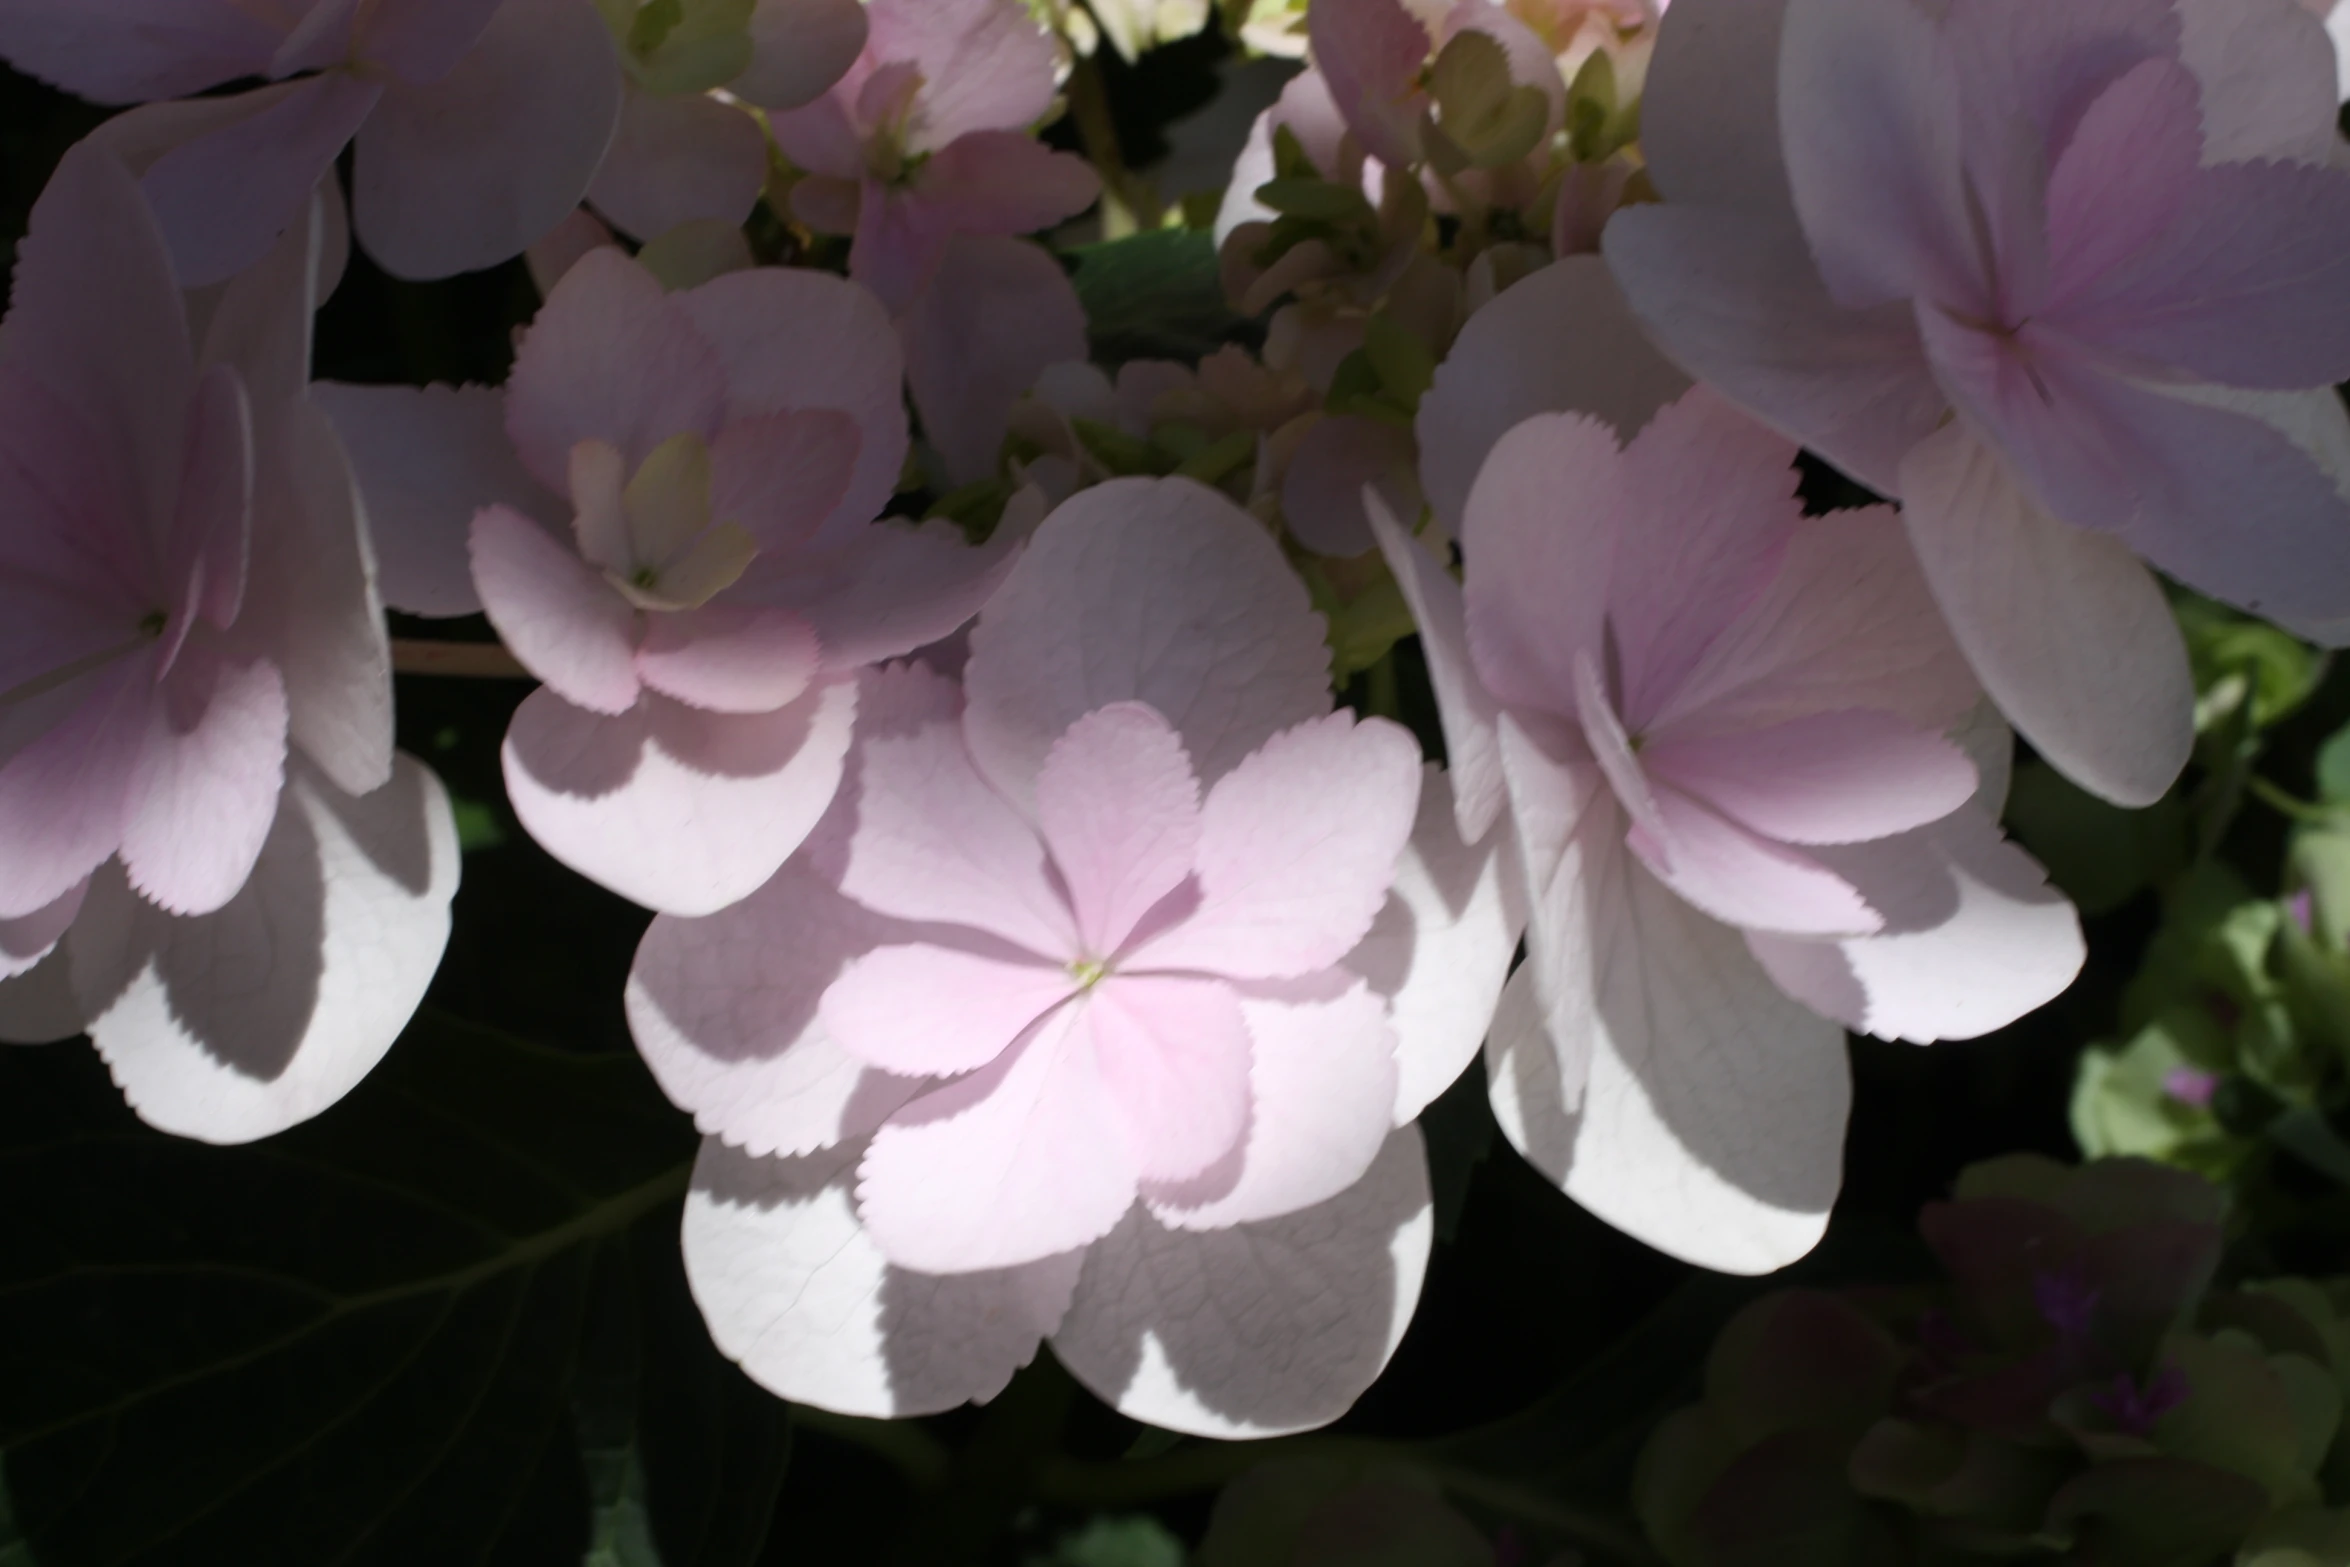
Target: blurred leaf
pixel 2099 854
pixel 2333 768
pixel 353 1343
pixel 2237 658
pixel 1158 295
pixel 1131 1541
pixel 1317 1511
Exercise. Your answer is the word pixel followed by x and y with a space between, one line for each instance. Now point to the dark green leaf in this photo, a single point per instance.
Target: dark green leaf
pixel 1158 295
pixel 353 1344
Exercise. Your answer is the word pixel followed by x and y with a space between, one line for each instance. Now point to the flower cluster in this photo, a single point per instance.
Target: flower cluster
pixel 1040 948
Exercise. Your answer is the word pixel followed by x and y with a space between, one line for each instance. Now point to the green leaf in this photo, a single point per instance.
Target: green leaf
pixel 2333 768
pixel 1158 295
pixel 353 1343
pixel 2099 854
pixel 1135 1540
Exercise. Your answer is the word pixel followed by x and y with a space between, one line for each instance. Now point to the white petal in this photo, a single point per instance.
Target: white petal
pixel 794 1291
pixel 1260 1329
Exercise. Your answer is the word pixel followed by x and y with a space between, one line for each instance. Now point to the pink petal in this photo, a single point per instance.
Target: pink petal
pixel 95 321
pixel 724 1011
pixel 1876 177
pixel 799 48
pixel 1371 52
pixel 1560 340
pixel 1466 709
pixel 422 42
pixel 1442 945
pixel 2121 180
pixel 551 258
pixel 678 159
pixel 1709 512
pixel 1709 111
pixel 1152 590
pixel 611 359
pixel 933 841
pixel 1004 182
pixel 1846 622
pixel 468 171
pixel 1261 1329
pixel 795 1290
pixel 1318 1100
pixel 889 588
pixel 727 658
pixel 680 810
pixel 1735 300
pixel 933 1011
pixel 26 940
pixel 223 198
pixel 1297 851
pixel 427 458
pixel 795 339
pixel 1974 938
pixel 1837 777
pixel 205 787
pixel 997 312
pixel 237 1024
pixel 65 786
pixel 1174 1056
pixel 555 612
pixel 1119 808
pixel 210 543
pixel 1742 878
pixel 134 51
pixel 2267 89
pixel 2070 634
pixel 1643 1061
pixel 1540 534
pixel 1322 493
pixel 782 474
pixel 1019 1161
pixel 985 66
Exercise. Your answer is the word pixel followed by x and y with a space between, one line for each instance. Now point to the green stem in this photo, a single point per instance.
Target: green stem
pixel 1128 207
pixel 2288 805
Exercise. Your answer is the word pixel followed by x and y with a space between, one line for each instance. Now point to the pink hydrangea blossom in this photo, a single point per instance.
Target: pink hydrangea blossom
pixel 927 136
pixel 2110 241
pixel 1726 740
pixel 1093 1009
pixel 673 530
pixel 478 122
pixel 210 859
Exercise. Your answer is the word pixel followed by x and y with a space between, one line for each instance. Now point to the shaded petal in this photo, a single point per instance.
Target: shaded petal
pixel 242 1022
pixel 1297 851
pixel 796 1292
pixel 1019 1161
pixel 679 159
pixel 1259 1329
pixel 1174 1054
pixel 891 587
pixel 1709 111
pixel 1442 945
pixel 780 475
pixel 1152 590
pixel 423 42
pixel 38 1007
pixel 1559 340
pixel 1735 300
pixel 727 658
pixel 1003 182
pixel 799 48
pixel 1467 710
pixel 427 458
pixel 2069 633
pixel 1643 1060
pixel 610 358
pixel 1974 938
pixel 2268 76
pixel 466 172
pixel 993 316
pixel 1319 1102
pixel 133 51
pixel 984 66
pixel 931 1011
pixel 65 793
pixel 1539 538
pixel 1372 53
pixel 205 787
pixel 680 810
pixel 223 198
pixel 1322 492
pixel 1839 777
pixel 1119 808
pixel 790 338
pixel 26 940
pixel 555 612
pixel 1743 878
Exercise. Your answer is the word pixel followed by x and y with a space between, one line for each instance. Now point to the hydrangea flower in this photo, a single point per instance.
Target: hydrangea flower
pixel 210 858
pixel 927 137
pixel 679 542
pixel 1722 737
pixel 478 123
pixel 1092 1010
pixel 2065 281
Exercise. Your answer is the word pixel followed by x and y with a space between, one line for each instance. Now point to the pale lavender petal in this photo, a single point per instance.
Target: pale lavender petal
pixel 1466 709
pixel 205 787
pixel 26 940
pixel 1119 808
pixel 727 658
pixel 920 1010
pixel 997 312
pixel 678 160
pixel 555 612
pixel 1836 777
pixel 1174 1056
pixel 799 48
